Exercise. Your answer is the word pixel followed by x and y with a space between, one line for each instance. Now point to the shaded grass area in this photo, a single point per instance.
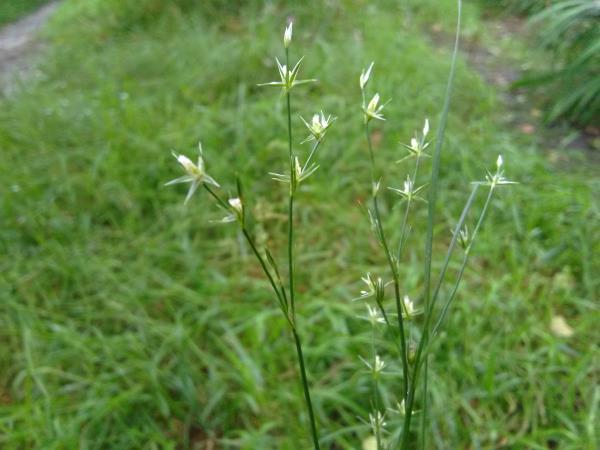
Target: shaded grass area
pixel 130 322
pixel 11 10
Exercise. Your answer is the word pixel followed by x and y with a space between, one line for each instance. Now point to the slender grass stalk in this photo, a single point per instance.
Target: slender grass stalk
pixel 433 190
pixel 376 402
pixel 392 266
pixel 464 262
pixel 309 407
pixel 403 228
pixel 310 155
pixel 291 199
pixel 291 274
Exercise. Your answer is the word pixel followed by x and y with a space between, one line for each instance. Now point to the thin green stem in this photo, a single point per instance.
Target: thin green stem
pixel 375 394
pixel 291 200
pixel 453 241
pixel 464 263
pixel 310 155
pixel 311 415
pixel 403 229
pixel 216 196
pixel 429 247
pixel 392 265
pixel 371 154
pixel 279 292
pixel 291 274
pixel 421 349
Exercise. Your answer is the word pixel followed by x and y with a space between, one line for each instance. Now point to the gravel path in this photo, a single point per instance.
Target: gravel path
pixel 18 43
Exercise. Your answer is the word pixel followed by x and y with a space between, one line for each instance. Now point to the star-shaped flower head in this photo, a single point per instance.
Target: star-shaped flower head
pixel 496 179
pixel 288 77
pixel 409 192
pixel 318 127
pixel 409 310
pixel 417 145
pixel 375 367
pixel 195 173
pixel 298 175
pixel 373 109
pixel 375 287
pixel 373 316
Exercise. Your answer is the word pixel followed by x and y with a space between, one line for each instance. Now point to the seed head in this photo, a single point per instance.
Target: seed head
pixel 376 367
pixel 464 237
pixel 318 126
pixel 375 287
pixel 287 77
pixel 409 310
pixel 373 109
pixel 237 207
pixel 195 173
pixel 417 145
pixel 377 422
pixel 409 192
pixel 495 179
pixel 374 316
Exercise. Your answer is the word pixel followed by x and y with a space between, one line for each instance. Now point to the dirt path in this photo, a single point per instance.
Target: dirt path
pixel 18 44
pixel 523 109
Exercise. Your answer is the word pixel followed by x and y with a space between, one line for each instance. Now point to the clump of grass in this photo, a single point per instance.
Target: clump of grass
pixel 414 366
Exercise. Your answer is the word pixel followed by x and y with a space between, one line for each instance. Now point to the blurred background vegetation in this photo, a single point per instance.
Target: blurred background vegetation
pixel 130 322
pixel 569 32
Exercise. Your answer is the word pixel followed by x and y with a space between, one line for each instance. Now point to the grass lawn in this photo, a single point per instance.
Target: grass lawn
pixel 11 10
pixel 129 322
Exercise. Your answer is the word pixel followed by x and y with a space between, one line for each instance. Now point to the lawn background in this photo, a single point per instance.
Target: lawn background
pixel 128 321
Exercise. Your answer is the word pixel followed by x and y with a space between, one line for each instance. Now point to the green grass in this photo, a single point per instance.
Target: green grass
pixel 11 10
pixel 130 322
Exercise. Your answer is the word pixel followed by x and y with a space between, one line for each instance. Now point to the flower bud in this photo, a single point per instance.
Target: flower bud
pixel 364 77
pixel 287 35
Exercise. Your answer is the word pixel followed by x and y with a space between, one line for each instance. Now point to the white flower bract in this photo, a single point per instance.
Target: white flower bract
pixel 288 77
pixel 373 109
pixel 287 35
pixel 409 310
pixel 318 126
pixel 364 76
pixel 195 173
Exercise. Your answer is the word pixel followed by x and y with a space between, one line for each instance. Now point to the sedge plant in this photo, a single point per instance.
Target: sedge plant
pixel 237 209
pixel 414 356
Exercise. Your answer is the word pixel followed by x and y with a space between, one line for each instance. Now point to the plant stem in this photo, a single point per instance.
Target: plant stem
pixel 291 200
pixel 311 154
pixel 429 250
pixel 392 266
pixel 375 394
pixel 311 415
pixel 291 274
pixel 403 231
pixel 281 296
pixel 464 262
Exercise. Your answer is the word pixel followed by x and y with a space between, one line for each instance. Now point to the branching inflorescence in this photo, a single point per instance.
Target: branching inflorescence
pixel 236 209
pixel 413 356
pixel 403 320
